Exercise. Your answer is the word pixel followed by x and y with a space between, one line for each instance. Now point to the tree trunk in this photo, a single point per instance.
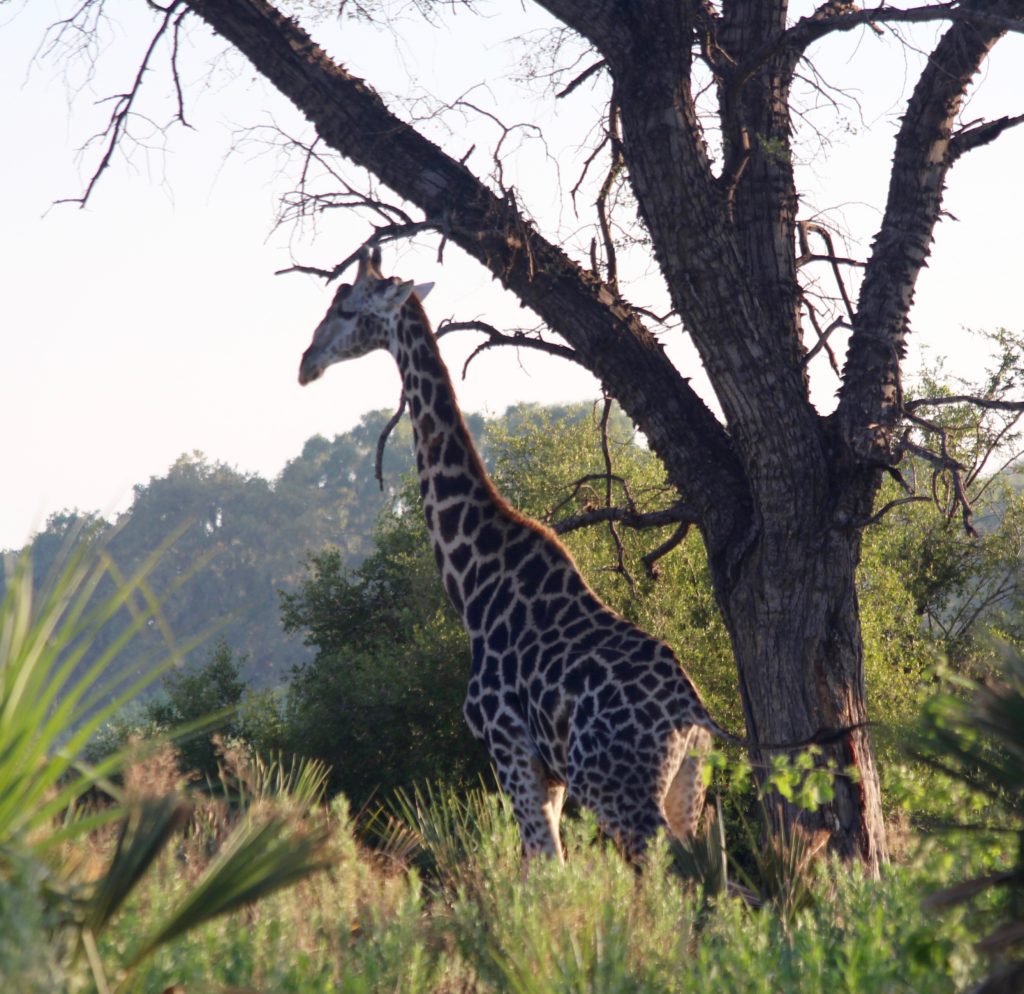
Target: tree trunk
pixel 792 614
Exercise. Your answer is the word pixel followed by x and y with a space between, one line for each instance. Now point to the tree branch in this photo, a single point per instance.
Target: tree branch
pixel 124 103
pixel 870 396
pixel 981 134
pixel 985 402
pixel 589 315
pixel 840 16
pixel 581 79
pixel 520 338
pixel 629 517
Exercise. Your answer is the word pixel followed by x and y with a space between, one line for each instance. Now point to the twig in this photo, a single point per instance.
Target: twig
pixel 117 123
pixel 388 233
pixel 378 462
pixel 628 517
pixel 885 509
pixel 580 79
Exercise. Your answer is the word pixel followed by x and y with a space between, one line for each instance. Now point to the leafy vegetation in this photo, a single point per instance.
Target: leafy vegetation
pixel 978 741
pixel 75 846
pixel 425 890
pixel 471 921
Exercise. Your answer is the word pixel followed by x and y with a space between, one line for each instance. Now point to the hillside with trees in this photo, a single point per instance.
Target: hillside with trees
pixel 326 621
pixel 230 540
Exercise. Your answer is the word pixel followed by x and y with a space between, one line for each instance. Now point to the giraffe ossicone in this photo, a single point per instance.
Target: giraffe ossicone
pixel 564 693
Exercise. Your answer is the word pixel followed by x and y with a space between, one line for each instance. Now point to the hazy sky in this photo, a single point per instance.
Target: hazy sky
pixel 151 324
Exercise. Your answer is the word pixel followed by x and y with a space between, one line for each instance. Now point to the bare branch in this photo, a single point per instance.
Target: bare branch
pixel 839 16
pixel 629 517
pixel 378 461
pixel 807 227
pixel 581 78
pixel 520 338
pixel 124 103
pixel 886 508
pixel 650 559
pixel 985 402
pixel 981 134
pixel 615 167
pixel 387 233
pixel 823 342
pixel 943 465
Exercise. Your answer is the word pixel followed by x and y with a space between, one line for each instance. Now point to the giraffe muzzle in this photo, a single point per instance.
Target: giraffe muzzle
pixel 309 369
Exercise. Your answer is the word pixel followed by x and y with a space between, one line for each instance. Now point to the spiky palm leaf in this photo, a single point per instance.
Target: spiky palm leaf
pixel 49 712
pixel 978 740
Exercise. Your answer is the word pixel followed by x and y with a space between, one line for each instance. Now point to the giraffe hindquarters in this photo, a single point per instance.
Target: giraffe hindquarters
pixel 622 781
pixel 684 800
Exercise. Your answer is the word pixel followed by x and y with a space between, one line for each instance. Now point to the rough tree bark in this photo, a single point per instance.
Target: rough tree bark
pixel 780 492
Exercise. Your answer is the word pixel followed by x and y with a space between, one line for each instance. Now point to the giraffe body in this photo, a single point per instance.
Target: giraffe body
pixel 563 692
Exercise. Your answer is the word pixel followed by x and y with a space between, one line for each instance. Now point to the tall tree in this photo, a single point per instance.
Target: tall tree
pixel 699 124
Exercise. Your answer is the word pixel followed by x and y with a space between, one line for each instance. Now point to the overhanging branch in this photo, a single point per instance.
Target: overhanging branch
pixel 832 16
pixel 628 517
pixel 981 134
pixel 592 317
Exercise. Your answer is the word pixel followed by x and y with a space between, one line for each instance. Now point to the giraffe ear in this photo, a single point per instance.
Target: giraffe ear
pixel 422 289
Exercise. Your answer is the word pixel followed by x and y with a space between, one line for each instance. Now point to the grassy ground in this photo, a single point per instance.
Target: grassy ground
pixel 450 909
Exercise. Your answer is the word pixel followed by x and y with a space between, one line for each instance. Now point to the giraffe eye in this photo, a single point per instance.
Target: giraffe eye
pixel 346 315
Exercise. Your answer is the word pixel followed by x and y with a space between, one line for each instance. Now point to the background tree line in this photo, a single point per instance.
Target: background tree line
pixel 336 640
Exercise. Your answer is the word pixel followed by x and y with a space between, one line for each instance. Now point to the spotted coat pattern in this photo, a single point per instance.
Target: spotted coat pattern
pixel 564 693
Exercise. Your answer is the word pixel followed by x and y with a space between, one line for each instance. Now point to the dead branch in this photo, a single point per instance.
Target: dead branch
pixel 943 464
pixel 386 233
pixel 628 517
pixel 581 79
pixel 651 558
pixel 584 170
pixel 981 134
pixel 615 167
pixel 985 402
pixel 875 518
pixel 124 103
pixel 520 338
pixel 823 342
pixel 841 16
pixel 378 461
pixel 805 228
pixel 588 478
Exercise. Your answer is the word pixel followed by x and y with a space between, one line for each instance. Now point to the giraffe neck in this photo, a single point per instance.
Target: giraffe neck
pixel 467 519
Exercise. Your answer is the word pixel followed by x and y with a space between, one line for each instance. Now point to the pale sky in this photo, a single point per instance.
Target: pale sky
pixel 151 324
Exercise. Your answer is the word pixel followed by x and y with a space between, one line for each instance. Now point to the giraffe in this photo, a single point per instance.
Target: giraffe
pixel 564 693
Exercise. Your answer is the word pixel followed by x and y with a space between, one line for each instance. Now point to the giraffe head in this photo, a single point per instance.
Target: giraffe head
pixel 360 319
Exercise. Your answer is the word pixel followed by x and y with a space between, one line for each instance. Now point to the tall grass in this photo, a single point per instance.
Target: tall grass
pixel 56 904
pixel 480 924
